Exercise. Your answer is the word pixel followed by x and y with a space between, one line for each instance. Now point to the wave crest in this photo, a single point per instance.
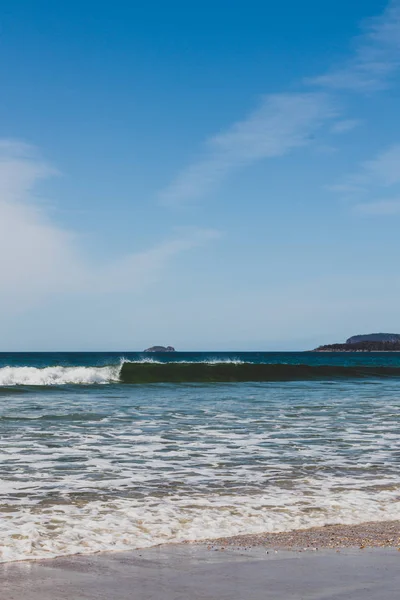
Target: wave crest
pixel 58 375
pixel 212 371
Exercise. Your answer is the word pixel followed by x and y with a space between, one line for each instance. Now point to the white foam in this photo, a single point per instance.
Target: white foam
pixel 58 375
pixel 128 524
pixel 208 361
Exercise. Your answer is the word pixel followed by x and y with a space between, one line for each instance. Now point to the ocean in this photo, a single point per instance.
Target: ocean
pixel 115 451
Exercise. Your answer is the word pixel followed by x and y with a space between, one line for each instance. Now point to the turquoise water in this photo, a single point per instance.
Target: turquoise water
pixel 88 463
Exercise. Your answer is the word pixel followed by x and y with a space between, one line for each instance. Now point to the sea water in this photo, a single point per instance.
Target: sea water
pixel 88 463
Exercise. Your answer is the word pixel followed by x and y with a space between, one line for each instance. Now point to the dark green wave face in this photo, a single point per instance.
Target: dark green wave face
pixel 241 372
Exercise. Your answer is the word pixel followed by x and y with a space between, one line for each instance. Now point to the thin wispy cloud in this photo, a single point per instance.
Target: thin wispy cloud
pixel 376 57
pixel 284 122
pixel 385 168
pixel 144 267
pixel 381 207
pixel 345 125
pixel 374 177
pixel 38 257
pixel 21 167
pixel 346 188
pixel 280 124
pixel 383 171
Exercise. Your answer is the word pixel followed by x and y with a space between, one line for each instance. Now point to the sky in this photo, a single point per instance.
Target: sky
pixel 208 175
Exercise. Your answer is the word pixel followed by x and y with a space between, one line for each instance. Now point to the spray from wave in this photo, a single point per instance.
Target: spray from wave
pixel 58 375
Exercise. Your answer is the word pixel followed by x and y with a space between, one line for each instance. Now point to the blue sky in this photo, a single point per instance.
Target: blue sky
pixel 214 175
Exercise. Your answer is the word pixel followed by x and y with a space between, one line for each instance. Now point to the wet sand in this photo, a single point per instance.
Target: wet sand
pixel 225 571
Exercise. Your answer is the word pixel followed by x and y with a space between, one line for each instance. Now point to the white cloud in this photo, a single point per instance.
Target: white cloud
pixel 282 123
pixel 38 257
pixel 376 57
pixel 345 188
pixel 144 267
pixel 34 253
pixel 380 207
pixel 385 168
pixel 20 168
pixel 345 125
pixel 381 172
pixel 287 121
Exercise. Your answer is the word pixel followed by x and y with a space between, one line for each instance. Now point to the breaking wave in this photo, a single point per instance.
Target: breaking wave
pixel 58 375
pixel 214 371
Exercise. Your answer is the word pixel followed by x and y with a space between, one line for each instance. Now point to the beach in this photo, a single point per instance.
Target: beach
pixel 334 562
pixel 384 534
pixel 196 572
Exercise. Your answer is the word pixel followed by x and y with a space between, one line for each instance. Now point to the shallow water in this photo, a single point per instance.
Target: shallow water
pixel 88 463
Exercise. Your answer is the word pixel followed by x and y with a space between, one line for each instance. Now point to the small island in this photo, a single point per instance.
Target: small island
pixel 372 342
pixel 160 349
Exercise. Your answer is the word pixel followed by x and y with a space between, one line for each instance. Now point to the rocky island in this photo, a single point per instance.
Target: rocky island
pixel 160 349
pixel 372 342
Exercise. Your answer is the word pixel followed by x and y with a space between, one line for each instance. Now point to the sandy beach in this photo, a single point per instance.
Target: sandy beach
pixel 383 534
pixel 185 572
pixel 240 568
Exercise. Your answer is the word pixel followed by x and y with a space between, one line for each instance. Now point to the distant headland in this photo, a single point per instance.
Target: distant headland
pixel 371 342
pixel 160 349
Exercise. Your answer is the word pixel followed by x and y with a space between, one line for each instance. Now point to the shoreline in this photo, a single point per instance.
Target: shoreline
pixel 360 562
pixel 183 571
pixel 371 534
